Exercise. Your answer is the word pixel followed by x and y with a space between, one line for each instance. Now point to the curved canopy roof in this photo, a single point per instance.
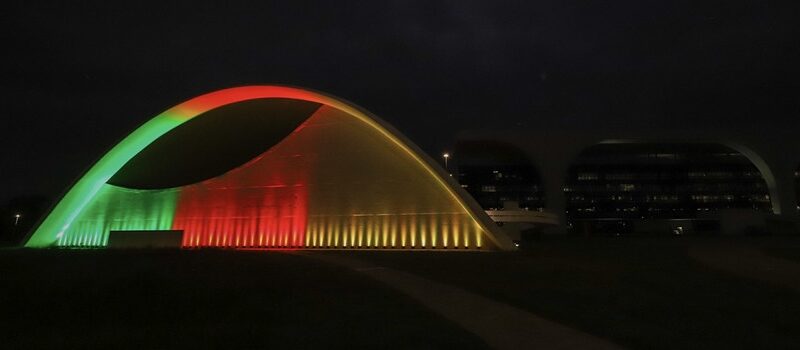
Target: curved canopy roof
pixel 126 166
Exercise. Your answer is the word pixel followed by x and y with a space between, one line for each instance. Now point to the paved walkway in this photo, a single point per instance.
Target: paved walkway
pixel 749 262
pixel 501 326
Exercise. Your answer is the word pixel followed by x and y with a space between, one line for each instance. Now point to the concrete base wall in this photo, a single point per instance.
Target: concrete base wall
pixel 145 239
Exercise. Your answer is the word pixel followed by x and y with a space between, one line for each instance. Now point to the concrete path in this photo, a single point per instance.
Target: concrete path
pixel 749 262
pixel 501 326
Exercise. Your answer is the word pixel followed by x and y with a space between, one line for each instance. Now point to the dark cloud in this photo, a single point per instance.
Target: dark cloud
pixel 78 76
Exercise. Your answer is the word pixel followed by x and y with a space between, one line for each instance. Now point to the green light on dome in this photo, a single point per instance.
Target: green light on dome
pixel 55 227
pixel 120 209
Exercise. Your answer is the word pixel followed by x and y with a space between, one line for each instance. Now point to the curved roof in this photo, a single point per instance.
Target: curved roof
pixel 98 176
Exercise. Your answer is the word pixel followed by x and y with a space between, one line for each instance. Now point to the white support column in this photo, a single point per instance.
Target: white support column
pixel 554 175
pixel 783 194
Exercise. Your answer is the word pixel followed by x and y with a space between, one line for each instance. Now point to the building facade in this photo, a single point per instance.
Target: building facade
pixel 623 181
pixel 613 187
pixel 494 174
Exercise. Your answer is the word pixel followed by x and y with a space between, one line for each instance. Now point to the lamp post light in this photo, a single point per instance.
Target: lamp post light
pixel 446 156
pixel 16 219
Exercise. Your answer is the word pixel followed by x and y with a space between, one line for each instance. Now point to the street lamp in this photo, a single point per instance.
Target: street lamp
pixel 16 219
pixel 446 156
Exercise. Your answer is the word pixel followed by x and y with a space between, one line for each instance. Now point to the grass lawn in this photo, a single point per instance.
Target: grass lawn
pixel 638 292
pixel 782 248
pixel 60 299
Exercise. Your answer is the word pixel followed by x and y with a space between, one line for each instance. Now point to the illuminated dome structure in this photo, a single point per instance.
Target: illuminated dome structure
pixel 269 167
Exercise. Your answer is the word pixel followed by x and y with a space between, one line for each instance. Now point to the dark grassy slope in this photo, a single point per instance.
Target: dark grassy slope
pixel 642 293
pixel 782 248
pixel 205 299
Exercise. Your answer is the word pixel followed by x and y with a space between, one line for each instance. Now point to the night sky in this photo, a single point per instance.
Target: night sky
pixel 79 76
